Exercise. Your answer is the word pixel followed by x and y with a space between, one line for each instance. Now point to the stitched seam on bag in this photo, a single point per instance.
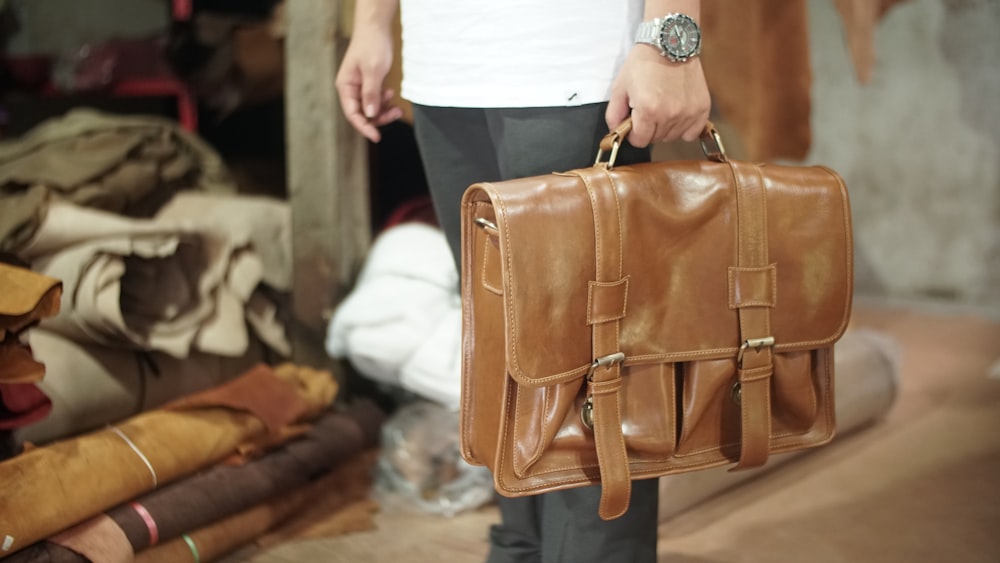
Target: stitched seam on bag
pixel 765 246
pixel 597 226
pixel 518 468
pixel 620 441
pixel 618 215
pixel 510 303
pixel 845 207
pixel 502 446
pixel 516 365
pixel 467 425
pixel 486 262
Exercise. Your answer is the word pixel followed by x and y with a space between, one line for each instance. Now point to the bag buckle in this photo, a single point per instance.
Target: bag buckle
pixel 605 361
pixel 756 344
pixel 615 145
pixel 587 410
pixel 736 393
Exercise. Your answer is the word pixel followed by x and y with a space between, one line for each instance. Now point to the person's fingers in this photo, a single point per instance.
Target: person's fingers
pixel 349 91
pixel 361 123
pixel 388 112
pixel 643 130
pixel 694 130
pixel 371 93
pixel 618 110
pixel 698 118
pixel 672 129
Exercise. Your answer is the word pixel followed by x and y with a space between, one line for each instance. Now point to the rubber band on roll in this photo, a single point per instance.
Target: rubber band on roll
pixel 191 545
pixel 137 451
pixel 154 532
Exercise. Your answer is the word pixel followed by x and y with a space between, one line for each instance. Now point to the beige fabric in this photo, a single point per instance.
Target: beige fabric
pixel 92 385
pixel 867 382
pixel 23 209
pixel 123 164
pixel 165 285
pixel 263 222
pixel 83 148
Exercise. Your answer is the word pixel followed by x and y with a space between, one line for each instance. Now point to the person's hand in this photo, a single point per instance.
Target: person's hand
pixel 667 100
pixel 367 104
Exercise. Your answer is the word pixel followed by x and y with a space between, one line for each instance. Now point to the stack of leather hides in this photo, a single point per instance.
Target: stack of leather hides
pixel 254 413
pixel 90 386
pixel 258 495
pixel 159 257
pixel 129 165
pixel 143 296
pixel 176 283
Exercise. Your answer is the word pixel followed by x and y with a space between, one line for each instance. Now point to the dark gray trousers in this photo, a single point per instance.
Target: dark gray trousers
pixel 461 146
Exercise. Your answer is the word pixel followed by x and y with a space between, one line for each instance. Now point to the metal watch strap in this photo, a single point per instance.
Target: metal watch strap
pixel 649 32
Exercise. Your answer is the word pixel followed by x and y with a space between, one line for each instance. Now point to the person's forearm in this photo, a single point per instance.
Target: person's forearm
pixel 660 8
pixel 374 14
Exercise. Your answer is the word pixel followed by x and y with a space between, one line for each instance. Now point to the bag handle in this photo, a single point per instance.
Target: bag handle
pixel 711 143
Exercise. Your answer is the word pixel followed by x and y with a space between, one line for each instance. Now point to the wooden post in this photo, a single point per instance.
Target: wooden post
pixel 327 175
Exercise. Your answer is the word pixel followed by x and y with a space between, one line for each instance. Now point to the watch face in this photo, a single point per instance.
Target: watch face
pixel 680 37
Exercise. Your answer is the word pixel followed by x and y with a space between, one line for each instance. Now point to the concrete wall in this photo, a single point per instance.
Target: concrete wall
pixel 919 147
pixel 58 26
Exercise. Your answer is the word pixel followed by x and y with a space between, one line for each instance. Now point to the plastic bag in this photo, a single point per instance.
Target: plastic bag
pixel 421 463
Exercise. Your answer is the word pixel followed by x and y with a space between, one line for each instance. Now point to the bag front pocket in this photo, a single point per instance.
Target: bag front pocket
pixel 549 433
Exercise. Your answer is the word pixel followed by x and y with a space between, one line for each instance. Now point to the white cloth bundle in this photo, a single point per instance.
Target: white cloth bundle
pixel 401 323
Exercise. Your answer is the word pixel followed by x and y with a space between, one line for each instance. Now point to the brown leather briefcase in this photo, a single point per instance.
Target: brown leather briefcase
pixel 631 322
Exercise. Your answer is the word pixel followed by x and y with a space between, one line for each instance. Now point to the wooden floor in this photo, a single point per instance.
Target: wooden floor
pixel 923 485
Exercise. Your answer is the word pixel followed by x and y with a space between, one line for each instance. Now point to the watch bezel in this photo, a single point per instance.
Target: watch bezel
pixel 670 22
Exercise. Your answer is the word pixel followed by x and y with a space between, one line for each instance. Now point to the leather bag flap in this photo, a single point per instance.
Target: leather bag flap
pixel 681 286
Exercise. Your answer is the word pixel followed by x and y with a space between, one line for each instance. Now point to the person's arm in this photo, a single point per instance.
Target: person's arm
pixel 360 79
pixel 667 100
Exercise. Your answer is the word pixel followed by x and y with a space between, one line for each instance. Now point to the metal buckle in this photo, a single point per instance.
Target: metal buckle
pixel 736 392
pixel 615 145
pixel 587 410
pixel 711 145
pixel 587 413
pixel 756 344
pixel 605 361
pixel 486 224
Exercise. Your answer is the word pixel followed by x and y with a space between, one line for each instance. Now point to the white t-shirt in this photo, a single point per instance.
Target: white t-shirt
pixel 514 53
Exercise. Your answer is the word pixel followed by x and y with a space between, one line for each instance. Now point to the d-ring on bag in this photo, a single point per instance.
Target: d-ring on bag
pixel 630 322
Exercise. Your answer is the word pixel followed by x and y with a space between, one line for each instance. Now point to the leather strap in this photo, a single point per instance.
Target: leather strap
pixel 606 381
pixel 711 142
pixel 756 365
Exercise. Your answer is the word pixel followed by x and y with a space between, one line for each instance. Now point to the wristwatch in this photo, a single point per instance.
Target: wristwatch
pixel 677 36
